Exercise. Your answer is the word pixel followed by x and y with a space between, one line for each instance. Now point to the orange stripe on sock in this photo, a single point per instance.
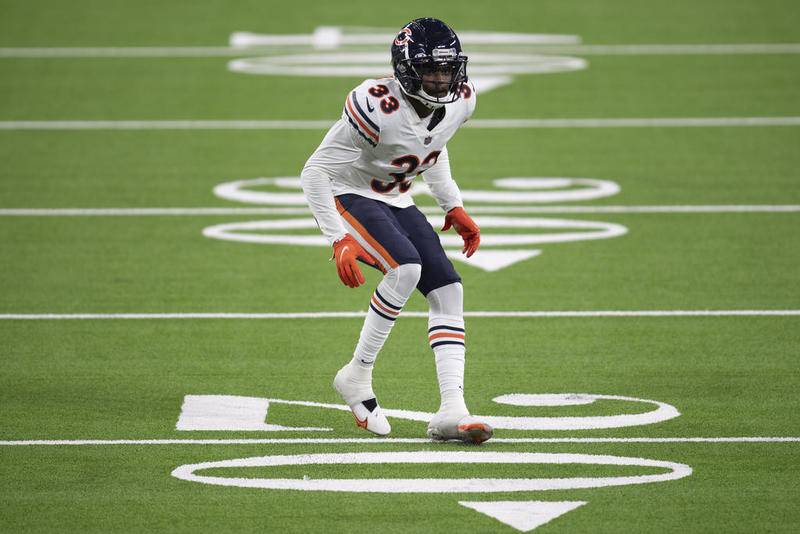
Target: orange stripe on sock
pixel 393 313
pixel 367 237
pixel 437 336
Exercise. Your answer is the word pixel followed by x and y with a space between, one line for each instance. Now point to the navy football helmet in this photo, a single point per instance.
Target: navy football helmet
pixel 429 47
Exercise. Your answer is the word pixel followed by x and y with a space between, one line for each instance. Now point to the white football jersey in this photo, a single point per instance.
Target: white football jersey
pixel 380 145
pixel 396 144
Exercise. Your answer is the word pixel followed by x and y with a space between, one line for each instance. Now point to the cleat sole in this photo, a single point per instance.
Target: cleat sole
pixel 475 433
pixel 435 435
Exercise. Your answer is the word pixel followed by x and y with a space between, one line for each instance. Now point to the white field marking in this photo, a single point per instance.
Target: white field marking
pixel 331 37
pixel 247 43
pixel 168 125
pixel 232 51
pixel 523 515
pixel 518 190
pixel 119 51
pixel 526 189
pixel 367 441
pixel 662 412
pixel 546 399
pixel 254 231
pixel 373 65
pixel 203 212
pixel 238 191
pixel 734 208
pixel 673 49
pixel 250 232
pixel 146 212
pixel 230 412
pixel 493 260
pixel 420 315
pixel 484 84
pixel 587 230
pixel 657 122
pixel 682 122
pixel 674 471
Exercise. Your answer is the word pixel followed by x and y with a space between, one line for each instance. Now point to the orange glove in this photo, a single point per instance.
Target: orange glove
pixel 466 228
pixel 346 251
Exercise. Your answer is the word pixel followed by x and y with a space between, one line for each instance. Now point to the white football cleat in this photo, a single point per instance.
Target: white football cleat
pixel 466 428
pixel 374 420
pixel 359 396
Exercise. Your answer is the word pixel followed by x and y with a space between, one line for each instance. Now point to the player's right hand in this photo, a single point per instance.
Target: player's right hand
pixel 345 252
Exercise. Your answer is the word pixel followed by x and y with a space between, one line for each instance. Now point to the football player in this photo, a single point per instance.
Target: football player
pixel 357 185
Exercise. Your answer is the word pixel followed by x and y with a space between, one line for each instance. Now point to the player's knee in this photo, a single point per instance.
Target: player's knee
pixel 447 300
pixel 408 275
pixel 404 278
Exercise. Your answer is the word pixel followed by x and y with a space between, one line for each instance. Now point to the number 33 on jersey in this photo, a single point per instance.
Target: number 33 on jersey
pixel 395 143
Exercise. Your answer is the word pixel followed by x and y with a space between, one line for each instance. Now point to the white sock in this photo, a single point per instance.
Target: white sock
pixel 385 305
pixel 446 335
pixel 359 376
pixel 450 372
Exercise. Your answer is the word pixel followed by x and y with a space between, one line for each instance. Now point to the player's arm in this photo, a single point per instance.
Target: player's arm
pixel 357 130
pixel 445 190
pixel 440 181
pixel 334 154
pixel 339 149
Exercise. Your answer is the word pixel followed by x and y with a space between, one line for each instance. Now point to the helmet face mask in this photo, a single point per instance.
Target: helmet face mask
pixel 428 63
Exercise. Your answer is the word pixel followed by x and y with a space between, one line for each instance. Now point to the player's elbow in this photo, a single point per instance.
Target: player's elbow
pixel 311 177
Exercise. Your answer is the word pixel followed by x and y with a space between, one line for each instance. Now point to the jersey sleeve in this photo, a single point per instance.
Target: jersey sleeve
pixel 360 112
pixel 440 182
pixel 338 150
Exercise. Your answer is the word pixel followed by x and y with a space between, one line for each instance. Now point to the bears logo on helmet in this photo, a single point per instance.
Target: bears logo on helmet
pixel 402 37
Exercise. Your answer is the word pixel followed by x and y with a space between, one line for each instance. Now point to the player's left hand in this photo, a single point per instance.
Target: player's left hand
pixel 466 228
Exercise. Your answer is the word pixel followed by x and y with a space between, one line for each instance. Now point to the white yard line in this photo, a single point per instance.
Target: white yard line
pixel 735 208
pixel 360 314
pixel 159 212
pixel 658 122
pixel 226 51
pixel 655 122
pixel 123 51
pixel 288 441
pixel 168 125
pixel 671 49
pixel 145 212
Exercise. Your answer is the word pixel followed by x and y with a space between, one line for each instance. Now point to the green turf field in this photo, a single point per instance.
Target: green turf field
pixel 677 310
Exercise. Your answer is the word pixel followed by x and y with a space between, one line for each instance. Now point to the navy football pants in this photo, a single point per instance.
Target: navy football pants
pixel 395 236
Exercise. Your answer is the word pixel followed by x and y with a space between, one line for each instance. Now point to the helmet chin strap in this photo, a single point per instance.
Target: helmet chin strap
pixel 423 98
